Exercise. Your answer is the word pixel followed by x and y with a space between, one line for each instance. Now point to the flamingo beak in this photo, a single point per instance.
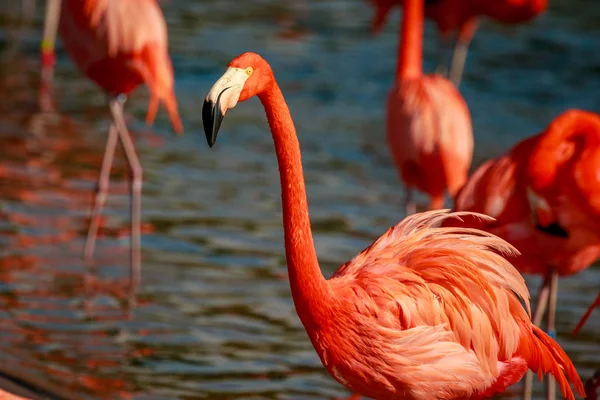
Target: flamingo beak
pixel 223 96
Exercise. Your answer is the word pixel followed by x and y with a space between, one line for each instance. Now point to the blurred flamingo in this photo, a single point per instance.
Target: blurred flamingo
pixel 424 312
pixel 458 20
pixel 120 45
pixel 544 195
pixel 428 122
pixel 587 314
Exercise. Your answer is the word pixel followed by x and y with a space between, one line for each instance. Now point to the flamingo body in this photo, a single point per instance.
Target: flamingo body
pixel 430 135
pixel 425 312
pixel 120 45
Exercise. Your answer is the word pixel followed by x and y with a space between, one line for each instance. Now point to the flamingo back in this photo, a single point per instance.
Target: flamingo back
pixel 429 133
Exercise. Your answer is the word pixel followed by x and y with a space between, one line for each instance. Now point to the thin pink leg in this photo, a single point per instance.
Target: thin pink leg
pixel 101 192
pixel 551 329
pixel 459 55
pixel 49 41
pixel 540 309
pixel 444 48
pixel 116 107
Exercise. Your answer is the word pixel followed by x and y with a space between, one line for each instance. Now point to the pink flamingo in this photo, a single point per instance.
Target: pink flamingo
pixel 120 45
pixel 425 312
pixel 428 122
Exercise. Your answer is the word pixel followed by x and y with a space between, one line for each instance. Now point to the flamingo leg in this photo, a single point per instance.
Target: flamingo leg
pixel 551 328
pixel 101 192
pixel 116 107
pixel 409 203
pixel 540 308
pixel 459 54
pixel 444 49
pixel 48 42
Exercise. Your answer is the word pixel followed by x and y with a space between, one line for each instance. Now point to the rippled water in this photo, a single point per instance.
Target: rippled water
pixel 215 317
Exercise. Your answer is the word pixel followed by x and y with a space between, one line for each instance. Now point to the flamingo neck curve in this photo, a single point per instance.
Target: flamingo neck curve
pixel 310 290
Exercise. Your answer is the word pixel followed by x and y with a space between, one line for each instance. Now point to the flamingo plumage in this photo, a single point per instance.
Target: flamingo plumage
pixel 458 21
pixel 424 312
pixel 428 122
pixel 121 45
pixel 545 197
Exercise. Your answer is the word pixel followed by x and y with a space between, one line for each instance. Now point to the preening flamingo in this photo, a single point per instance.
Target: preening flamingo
pixel 424 312
pixel 545 197
pixel 458 20
pixel 428 122
pixel 120 45
pixel 587 314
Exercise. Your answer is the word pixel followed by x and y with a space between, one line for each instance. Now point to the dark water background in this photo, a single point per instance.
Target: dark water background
pixel 215 317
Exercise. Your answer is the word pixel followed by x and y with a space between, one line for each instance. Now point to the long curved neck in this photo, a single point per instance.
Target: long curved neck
pixel 309 288
pixel 579 128
pixel 410 51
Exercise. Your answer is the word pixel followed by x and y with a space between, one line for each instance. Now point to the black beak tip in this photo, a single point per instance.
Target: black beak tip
pixel 211 119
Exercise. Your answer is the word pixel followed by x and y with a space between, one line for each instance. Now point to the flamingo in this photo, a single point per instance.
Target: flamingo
pixel 120 45
pixel 424 312
pixel 587 314
pixel 544 195
pixel 428 123
pixel 460 19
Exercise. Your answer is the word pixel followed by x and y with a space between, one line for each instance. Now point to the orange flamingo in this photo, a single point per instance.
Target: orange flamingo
pixel 587 314
pixel 120 45
pixel 545 197
pixel 460 19
pixel 424 312
pixel 428 122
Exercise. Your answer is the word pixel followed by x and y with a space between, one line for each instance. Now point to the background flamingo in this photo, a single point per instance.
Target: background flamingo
pixel 543 195
pixel 442 299
pixel 457 20
pixel 428 122
pixel 119 53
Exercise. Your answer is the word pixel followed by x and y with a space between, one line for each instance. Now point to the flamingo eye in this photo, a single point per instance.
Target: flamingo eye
pixel 249 71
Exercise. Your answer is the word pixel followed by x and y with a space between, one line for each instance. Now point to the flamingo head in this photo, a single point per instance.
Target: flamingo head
pixel 247 75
